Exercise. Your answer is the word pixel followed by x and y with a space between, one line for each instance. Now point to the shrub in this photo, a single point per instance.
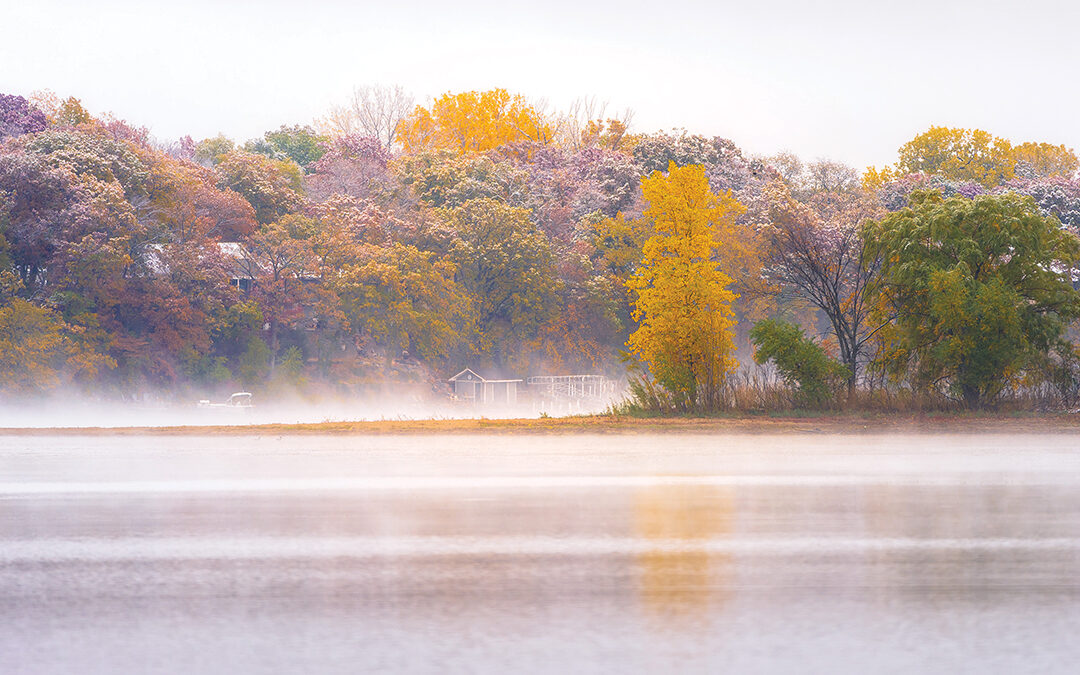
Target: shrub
pixel 801 362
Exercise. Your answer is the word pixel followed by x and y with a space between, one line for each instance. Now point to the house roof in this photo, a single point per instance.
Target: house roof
pixel 470 375
pixel 232 249
pixel 237 256
pixel 467 374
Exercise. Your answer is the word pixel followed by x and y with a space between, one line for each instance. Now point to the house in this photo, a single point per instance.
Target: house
pixel 235 255
pixel 472 388
pixel 237 258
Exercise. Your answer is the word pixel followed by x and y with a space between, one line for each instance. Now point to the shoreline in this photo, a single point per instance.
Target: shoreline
pixel 840 423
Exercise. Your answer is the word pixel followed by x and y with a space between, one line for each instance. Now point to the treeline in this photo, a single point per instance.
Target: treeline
pixel 482 230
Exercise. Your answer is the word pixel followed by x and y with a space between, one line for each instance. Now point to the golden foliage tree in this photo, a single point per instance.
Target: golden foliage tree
pixel 617 243
pixel 38 349
pixel 683 305
pixel 974 155
pixel 474 121
pixel 959 154
pixel 1043 160
pixel 31 347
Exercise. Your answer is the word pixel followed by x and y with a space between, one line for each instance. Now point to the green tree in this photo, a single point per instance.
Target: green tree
pixel 253 366
pixel 301 144
pixel 444 178
pixel 977 291
pixel 272 187
pixel 405 300
pixel 617 244
pixel 10 283
pixel 686 326
pixel 289 374
pixel 506 265
pixel 800 361
pixel 210 151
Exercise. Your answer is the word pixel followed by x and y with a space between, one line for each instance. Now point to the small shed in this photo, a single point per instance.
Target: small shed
pixel 472 388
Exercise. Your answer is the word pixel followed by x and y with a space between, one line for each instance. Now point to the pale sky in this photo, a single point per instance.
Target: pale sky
pixel 844 79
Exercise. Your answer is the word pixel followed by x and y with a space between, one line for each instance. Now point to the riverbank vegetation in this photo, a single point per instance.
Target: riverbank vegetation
pixel 390 241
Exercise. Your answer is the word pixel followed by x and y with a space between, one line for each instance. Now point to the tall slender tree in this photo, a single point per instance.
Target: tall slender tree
pixel 686 326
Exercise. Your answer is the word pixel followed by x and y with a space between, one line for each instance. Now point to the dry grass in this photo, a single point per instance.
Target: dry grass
pixel 793 423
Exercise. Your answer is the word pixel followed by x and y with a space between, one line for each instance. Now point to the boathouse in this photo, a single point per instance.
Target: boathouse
pixel 470 387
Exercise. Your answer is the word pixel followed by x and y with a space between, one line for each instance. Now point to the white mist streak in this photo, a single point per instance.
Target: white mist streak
pixel 74 413
pixel 470 483
pixel 265 548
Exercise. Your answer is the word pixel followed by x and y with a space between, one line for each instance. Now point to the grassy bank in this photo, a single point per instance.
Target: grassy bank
pixel 793 423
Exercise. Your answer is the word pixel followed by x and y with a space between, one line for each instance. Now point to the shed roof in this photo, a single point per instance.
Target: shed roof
pixel 471 375
pixel 467 374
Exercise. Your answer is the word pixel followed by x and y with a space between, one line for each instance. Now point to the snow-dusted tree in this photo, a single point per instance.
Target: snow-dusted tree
pixel 816 250
pixel 373 110
pixel 17 116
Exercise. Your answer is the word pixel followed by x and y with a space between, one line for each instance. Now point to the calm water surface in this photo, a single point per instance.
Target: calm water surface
pixel 743 553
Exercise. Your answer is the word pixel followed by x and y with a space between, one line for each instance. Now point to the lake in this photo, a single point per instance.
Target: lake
pixel 809 553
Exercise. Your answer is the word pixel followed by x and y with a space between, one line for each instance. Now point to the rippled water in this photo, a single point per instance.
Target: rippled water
pixel 798 553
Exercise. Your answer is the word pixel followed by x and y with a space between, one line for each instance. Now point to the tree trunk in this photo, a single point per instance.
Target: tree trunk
pixel 852 362
pixel 972 399
pixel 849 356
pixel 273 346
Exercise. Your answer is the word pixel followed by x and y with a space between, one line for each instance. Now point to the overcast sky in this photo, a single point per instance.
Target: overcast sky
pixel 848 80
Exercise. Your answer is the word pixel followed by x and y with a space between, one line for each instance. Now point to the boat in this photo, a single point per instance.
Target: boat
pixel 240 402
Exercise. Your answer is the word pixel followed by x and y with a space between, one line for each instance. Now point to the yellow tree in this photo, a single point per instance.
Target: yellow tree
pixel 959 154
pixel 31 348
pixel 1043 160
pixel 683 306
pixel 37 349
pixel 974 155
pixel 475 121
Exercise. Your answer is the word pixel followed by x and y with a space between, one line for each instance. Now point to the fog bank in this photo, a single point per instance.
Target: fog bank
pixel 85 413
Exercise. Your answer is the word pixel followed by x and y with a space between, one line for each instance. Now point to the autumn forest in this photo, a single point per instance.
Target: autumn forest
pixel 394 241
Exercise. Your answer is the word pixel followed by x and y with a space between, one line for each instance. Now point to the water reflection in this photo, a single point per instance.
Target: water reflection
pixel 682 581
pixel 1014 516
pixel 894 554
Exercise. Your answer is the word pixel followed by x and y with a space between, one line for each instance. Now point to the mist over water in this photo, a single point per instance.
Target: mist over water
pixel 88 413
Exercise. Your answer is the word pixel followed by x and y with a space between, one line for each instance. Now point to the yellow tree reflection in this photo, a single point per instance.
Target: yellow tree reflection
pixel 680 519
